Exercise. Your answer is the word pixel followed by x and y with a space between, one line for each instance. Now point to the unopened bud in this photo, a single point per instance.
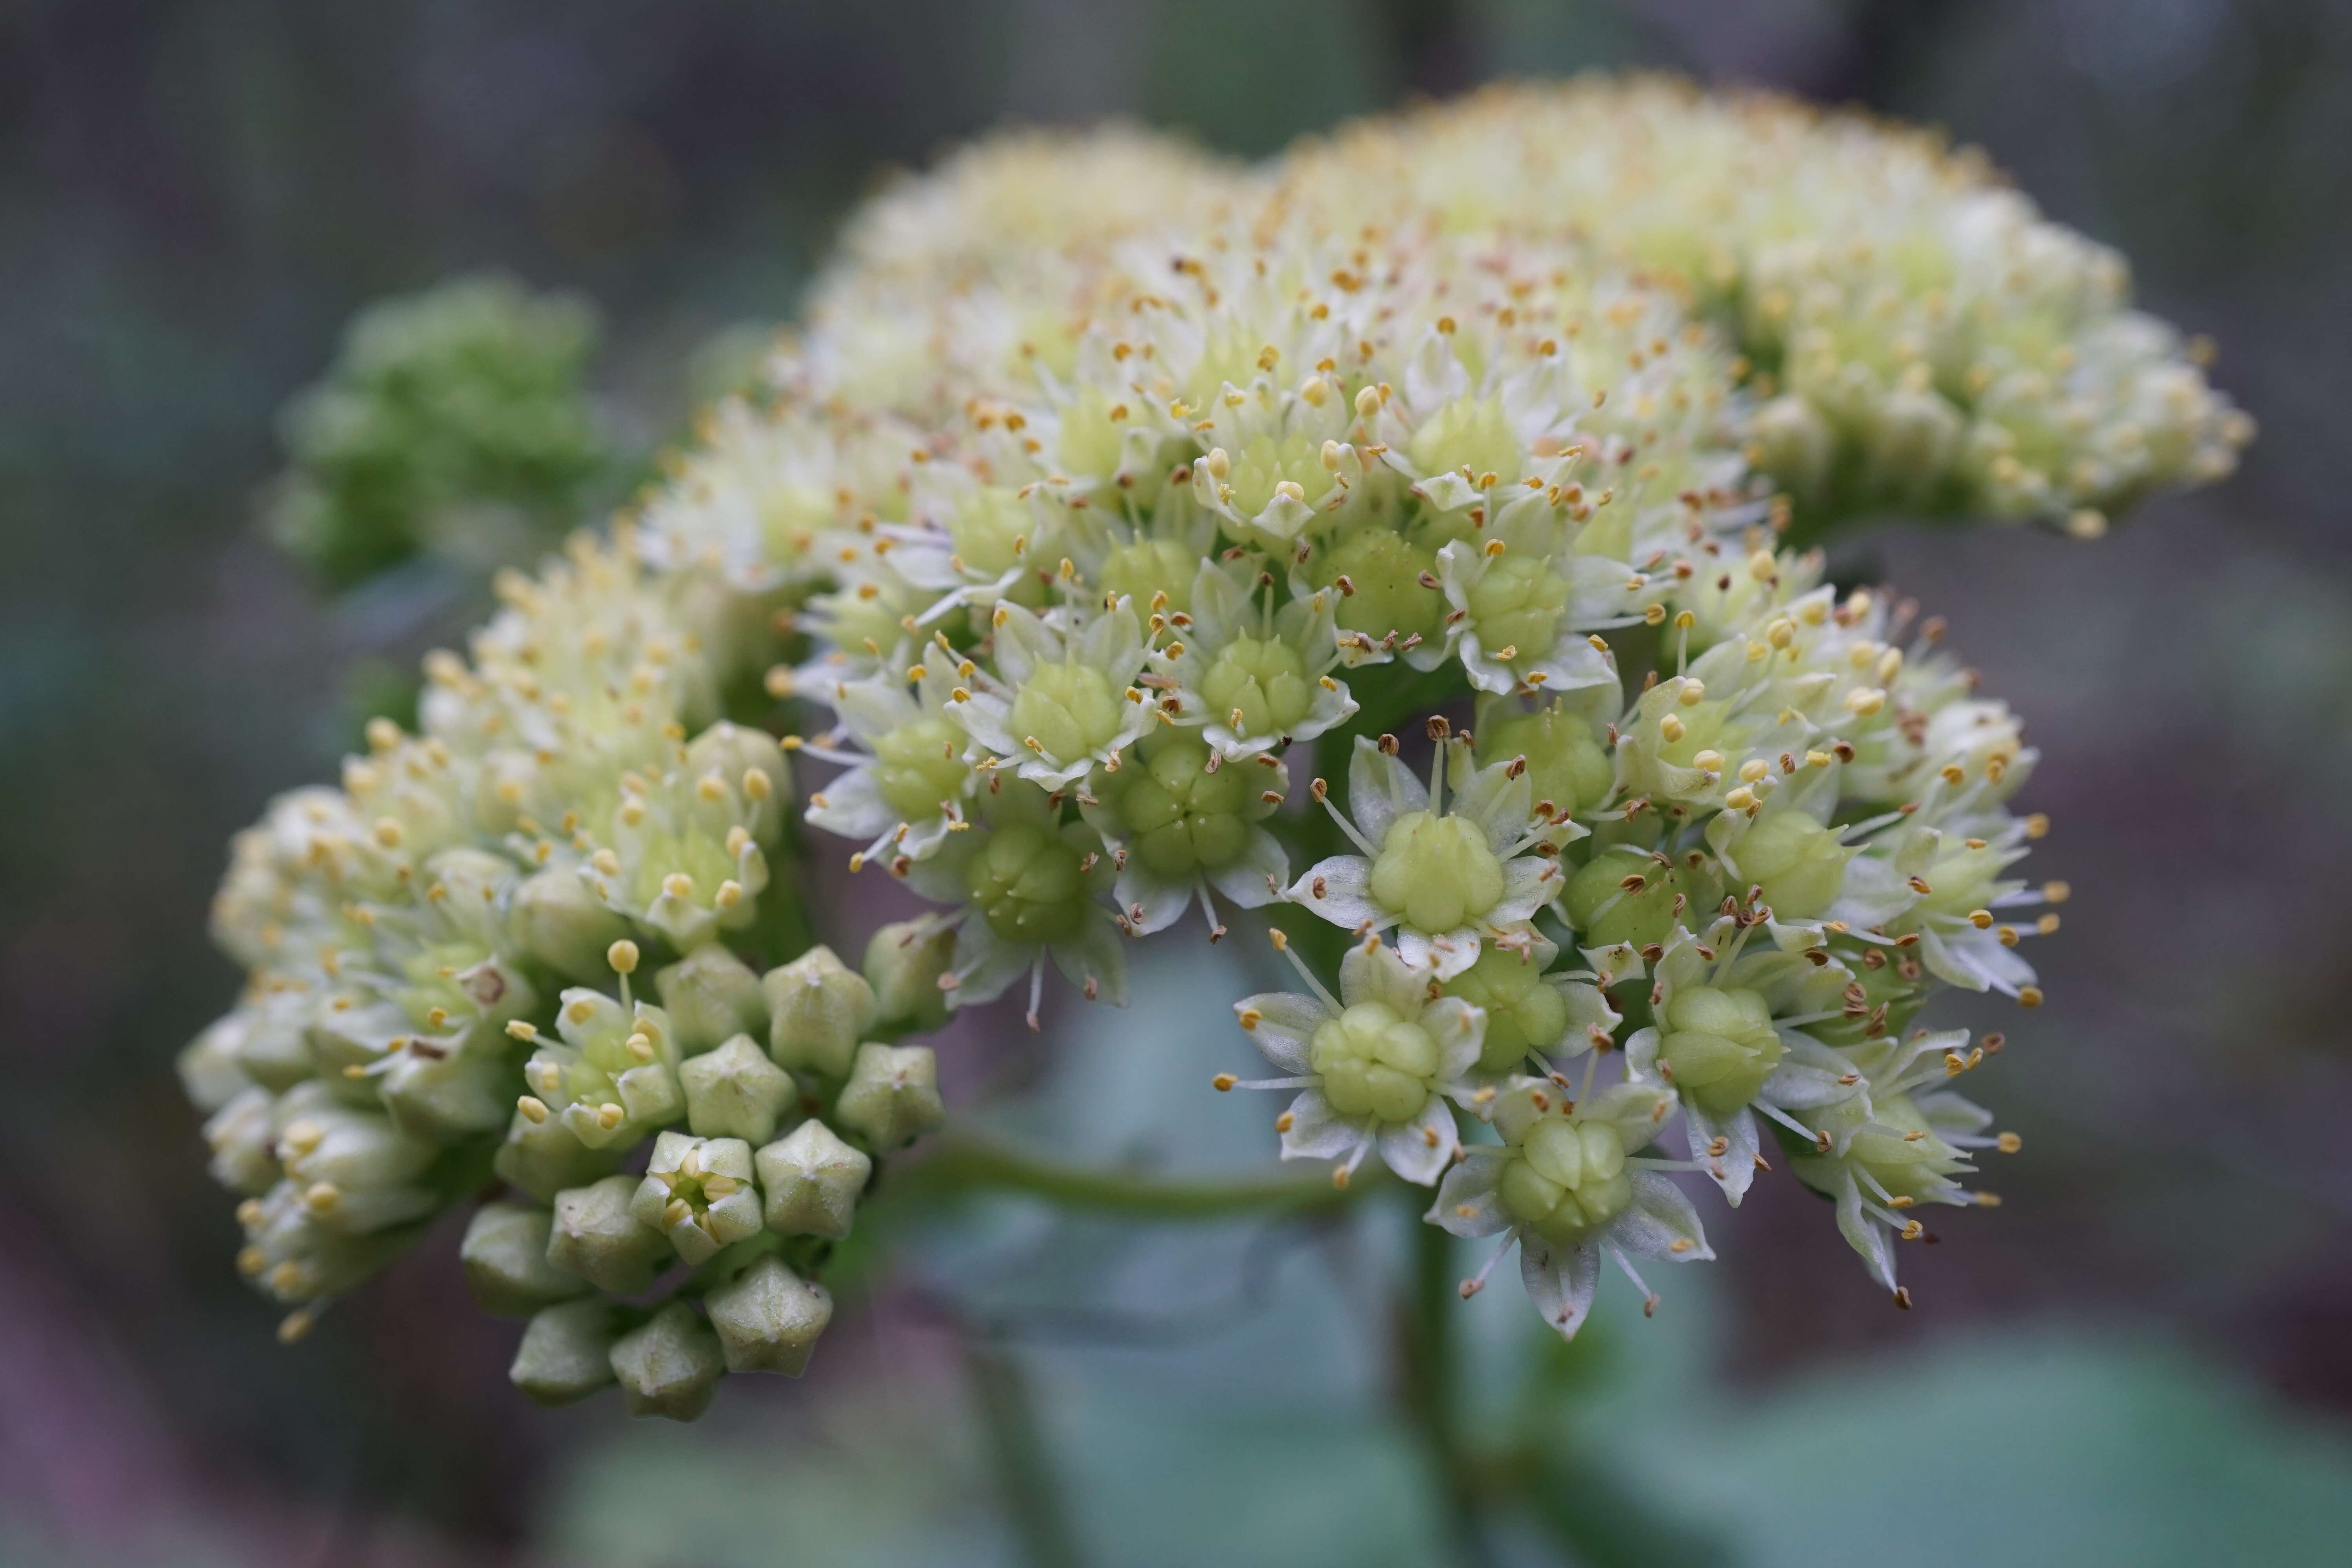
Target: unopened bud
pixel 566 1352
pixel 670 1366
pixel 820 1009
pixel 812 1181
pixel 505 1256
pixel 559 920
pixel 595 1236
pixel 711 996
pixel 903 964
pixel 769 1320
pixel 892 1096
pixel 735 1091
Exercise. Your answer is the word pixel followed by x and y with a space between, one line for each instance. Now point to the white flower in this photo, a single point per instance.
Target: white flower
pixel 1183 821
pixel 1374 1066
pixel 1060 702
pixel 1566 1186
pixel 1446 874
pixel 1252 676
pixel 911 785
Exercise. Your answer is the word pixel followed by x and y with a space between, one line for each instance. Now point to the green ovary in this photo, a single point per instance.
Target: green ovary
pixel 1148 568
pixel 1565 764
pixel 1070 709
pixel 1523 1013
pixel 1437 872
pixel 916 767
pixel 1181 817
pixel 1385 571
pixel 1374 1063
pixel 1799 863
pixel 1569 1180
pixel 1263 681
pixel 1471 433
pixel 1720 1046
pixel 1519 606
pixel 1029 885
pixel 1915 1166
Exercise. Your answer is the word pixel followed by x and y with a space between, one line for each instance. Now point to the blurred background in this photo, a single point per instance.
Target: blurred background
pixel 2145 1357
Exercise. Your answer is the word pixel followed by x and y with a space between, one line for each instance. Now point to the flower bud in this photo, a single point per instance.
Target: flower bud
pixel 892 1096
pixel 820 1008
pixel 597 1237
pixel 735 1091
pixel 566 1352
pixel 1565 763
pixel 505 1256
pixel 557 920
pixel 542 1158
pixel 711 997
pixel 812 1181
pixel 903 964
pixel 272 1046
pixel 700 1193
pixel 443 1097
pixel 242 1139
pixel 670 1366
pixel 769 1320
pixel 208 1068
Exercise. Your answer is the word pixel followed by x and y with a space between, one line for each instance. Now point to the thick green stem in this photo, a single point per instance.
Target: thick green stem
pixel 1426 1376
pixel 961 1163
pixel 1016 1451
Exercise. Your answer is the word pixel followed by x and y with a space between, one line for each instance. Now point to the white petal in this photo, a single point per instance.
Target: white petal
pixel 1375 971
pixel 1529 883
pixel 1466 1203
pixel 1097 952
pixel 1560 1283
pixel 854 807
pixel 1379 790
pixel 1459 1028
pixel 987 962
pixel 1420 1150
pixel 1733 1169
pixel 1659 1217
pixel 1151 901
pixel 1863 1234
pixel 1256 880
pixel 1318 1133
pixel 1337 889
pixel 1286 1022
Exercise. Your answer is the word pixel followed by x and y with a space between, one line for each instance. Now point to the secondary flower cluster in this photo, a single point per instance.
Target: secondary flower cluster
pixel 1129 535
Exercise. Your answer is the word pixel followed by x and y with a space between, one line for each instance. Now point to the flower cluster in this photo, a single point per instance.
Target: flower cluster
pixel 456 420
pixel 1129 535
pixel 1921 338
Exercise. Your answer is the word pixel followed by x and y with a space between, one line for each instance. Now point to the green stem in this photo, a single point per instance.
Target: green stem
pixel 1427 1373
pixel 1016 1450
pixel 962 1163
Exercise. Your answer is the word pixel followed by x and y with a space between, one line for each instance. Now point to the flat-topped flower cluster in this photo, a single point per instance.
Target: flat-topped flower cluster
pixel 1331 543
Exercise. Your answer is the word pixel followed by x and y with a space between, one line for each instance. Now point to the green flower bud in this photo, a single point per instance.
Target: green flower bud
pixel 892 1097
pixel 670 1366
pixel 1263 681
pixel 903 964
pixel 1468 433
pixel 1606 911
pixel 1070 709
pixel 1566 765
pixel 243 1143
pixel 1798 862
pixel 208 1068
pixel 1519 606
pixel 505 1258
pixel 1149 568
pixel 918 764
pixel 542 1158
pixel 443 1098
pixel 735 1091
pixel 558 919
pixel 1795 445
pixel 566 1352
pixel 597 1237
pixel 819 1009
pixel 769 1320
pixel 700 1193
pixel 1384 591
pixel 273 1046
pixel 1177 815
pixel 1031 883
pixel 1718 1047
pixel 1569 1180
pixel 1524 1015
pixel 734 752
pixel 1374 1062
pixel 1437 871
pixel 812 1181
pixel 711 996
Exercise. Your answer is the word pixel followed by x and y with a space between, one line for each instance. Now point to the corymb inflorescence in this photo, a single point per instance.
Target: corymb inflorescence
pixel 1405 551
